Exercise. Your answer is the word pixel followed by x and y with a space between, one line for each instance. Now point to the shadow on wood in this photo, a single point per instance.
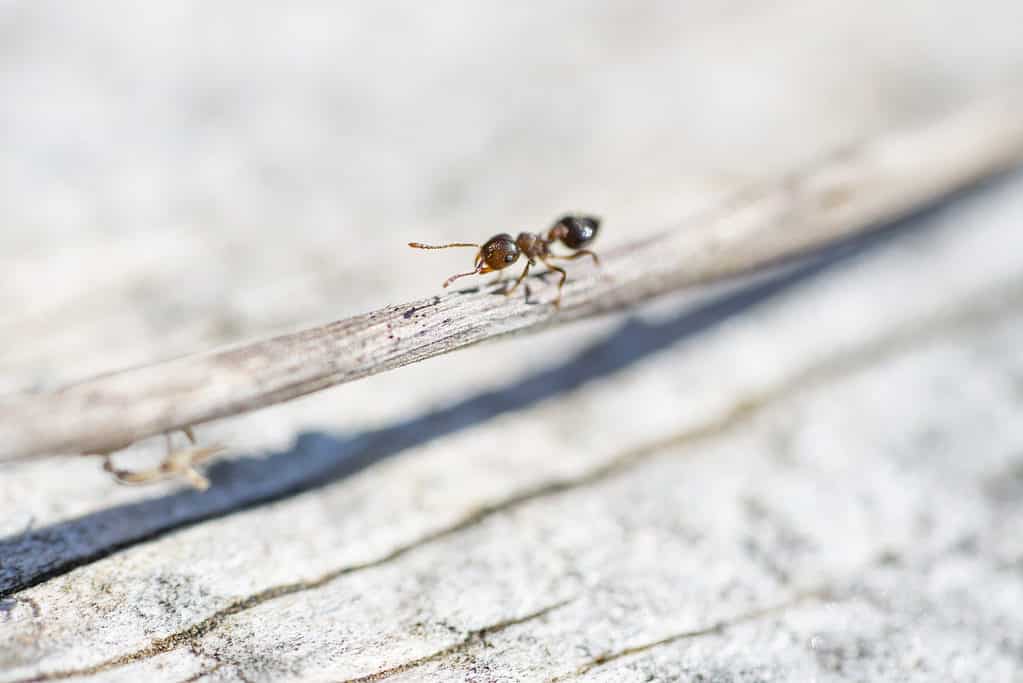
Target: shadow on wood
pixel 318 459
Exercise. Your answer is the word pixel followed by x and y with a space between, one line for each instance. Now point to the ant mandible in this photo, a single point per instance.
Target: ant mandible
pixel 500 251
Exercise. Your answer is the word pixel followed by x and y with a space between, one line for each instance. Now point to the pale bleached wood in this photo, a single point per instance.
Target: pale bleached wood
pixel 820 401
pixel 848 193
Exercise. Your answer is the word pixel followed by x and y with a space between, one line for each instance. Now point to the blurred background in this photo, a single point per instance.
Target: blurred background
pixel 180 175
pixel 177 176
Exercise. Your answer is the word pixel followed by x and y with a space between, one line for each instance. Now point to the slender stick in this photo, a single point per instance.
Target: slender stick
pixel 848 192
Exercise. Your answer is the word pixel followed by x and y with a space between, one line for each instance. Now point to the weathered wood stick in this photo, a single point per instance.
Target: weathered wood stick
pixel 849 192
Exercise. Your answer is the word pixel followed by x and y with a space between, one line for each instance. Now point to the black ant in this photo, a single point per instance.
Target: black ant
pixel 500 251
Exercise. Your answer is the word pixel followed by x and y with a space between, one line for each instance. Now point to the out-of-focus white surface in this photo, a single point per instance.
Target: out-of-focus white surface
pixel 175 176
pixel 178 175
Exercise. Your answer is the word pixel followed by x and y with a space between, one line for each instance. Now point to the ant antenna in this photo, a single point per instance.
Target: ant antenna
pixel 420 245
pixel 477 269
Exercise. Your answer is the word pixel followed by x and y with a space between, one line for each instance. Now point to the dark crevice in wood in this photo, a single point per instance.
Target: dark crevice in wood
pixel 470 638
pixel 712 630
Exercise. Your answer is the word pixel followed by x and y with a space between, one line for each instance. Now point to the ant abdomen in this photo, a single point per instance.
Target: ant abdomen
pixel 576 231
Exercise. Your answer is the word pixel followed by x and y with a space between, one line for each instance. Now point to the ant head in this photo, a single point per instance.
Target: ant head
pixel 500 251
pixel 576 232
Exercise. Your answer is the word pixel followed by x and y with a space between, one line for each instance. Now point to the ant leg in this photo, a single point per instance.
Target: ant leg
pixel 561 283
pixel 522 277
pixel 454 277
pixel 478 267
pixel 581 252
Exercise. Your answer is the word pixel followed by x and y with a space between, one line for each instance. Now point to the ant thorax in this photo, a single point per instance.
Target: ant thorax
pixel 531 245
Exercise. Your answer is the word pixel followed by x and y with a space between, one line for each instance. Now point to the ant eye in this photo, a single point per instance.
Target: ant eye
pixel 510 258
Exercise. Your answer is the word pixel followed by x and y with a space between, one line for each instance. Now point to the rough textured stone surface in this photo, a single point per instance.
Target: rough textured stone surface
pixel 816 476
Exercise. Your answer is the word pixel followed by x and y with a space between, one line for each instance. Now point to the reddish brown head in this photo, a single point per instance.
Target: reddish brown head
pixel 500 251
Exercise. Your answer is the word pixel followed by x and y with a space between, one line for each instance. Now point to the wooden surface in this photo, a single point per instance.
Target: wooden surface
pixel 847 194
pixel 811 475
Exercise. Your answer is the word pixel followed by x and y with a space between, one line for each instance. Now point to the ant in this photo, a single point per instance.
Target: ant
pixel 500 251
